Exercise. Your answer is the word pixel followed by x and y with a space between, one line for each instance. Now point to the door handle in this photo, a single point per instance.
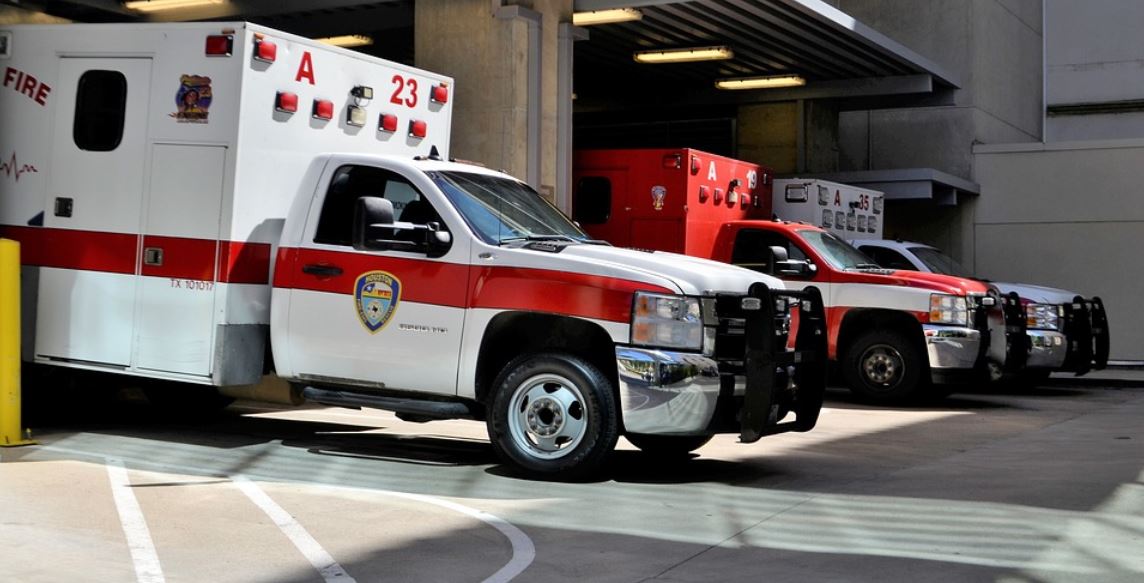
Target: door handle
pixel 322 269
pixel 153 256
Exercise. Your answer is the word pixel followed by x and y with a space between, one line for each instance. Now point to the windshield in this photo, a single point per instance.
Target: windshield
pixel 501 210
pixel 939 262
pixel 837 252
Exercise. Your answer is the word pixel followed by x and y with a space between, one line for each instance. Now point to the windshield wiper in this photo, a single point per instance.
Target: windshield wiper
pixel 567 238
pixel 867 266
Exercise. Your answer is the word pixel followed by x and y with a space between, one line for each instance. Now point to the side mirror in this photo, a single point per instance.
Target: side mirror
pixel 371 213
pixel 778 254
pixel 795 268
pixel 437 241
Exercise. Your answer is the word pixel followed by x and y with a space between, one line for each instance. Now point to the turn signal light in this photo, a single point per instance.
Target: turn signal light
pixel 220 45
pixel 286 102
pixel 418 128
pixel 323 109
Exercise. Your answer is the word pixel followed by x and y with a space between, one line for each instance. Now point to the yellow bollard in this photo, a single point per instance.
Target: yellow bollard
pixel 10 345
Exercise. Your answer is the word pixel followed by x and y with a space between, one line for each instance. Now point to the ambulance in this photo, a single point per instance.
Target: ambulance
pixel 204 204
pixel 892 335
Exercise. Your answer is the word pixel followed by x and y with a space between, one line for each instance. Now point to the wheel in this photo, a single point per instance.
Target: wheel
pixel 883 366
pixel 553 416
pixel 668 446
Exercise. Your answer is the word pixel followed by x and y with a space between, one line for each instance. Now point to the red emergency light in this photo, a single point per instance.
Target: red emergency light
pixel 703 194
pixel 673 161
pixel 264 50
pixel 387 123
pixel 286 102
pixel 440 93
pixel 323 109
pixel 418 128
pixel 718 196
pixel 220 45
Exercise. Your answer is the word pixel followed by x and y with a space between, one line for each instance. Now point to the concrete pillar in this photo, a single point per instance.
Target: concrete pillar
pixel 506 62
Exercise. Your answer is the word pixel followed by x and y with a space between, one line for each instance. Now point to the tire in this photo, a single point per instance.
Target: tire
pixel 884 366
pixel 553 416
pixel 668 446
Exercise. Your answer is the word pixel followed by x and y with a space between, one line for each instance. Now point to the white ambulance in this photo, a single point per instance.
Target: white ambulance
pixel 206 203
pixel 847 211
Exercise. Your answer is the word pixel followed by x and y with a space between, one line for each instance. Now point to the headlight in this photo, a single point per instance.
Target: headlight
pixel 947 309
pixel 667 322
pixel 1044 316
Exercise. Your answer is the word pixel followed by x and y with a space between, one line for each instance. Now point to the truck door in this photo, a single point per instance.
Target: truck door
pixel 382 319
pixel 86 308
pixel 752 249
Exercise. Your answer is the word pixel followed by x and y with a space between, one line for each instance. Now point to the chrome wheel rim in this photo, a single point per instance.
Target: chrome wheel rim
pixel 882 365
pixel 547 416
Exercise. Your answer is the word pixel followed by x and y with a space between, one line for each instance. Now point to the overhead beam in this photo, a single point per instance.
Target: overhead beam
pixel 590 5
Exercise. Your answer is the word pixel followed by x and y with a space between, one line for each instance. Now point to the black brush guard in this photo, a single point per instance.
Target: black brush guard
pixel 752 341
pixel 1017 343
pixel 1086 331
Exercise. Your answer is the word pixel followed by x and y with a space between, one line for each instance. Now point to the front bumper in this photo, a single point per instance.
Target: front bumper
pixel 748 386
pixel 1047 349
pixel 951 349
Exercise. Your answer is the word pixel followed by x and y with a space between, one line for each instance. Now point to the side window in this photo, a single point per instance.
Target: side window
pixel 753 249
pixel 335 225
pixel 592 203
pixel 100 106
pixel 888 258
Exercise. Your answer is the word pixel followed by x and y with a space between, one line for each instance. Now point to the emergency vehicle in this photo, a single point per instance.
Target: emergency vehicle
pixel 846 211
pixel 205 203
pixel 1065 331
pixel 894 334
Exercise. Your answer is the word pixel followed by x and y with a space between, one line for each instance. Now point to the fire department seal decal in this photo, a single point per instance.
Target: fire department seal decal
pixel 376 295
pixel 658 193
pixel 193 99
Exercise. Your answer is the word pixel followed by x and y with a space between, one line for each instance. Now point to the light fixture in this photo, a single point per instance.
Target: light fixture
pixel 684 55
pixel 771 82
pixel 606 16
pixel 347 40
pixel 157 5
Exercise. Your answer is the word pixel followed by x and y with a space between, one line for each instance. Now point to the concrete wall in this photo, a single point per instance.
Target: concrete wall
pixel 1095 54
pixel 1067 215
pixel 489 58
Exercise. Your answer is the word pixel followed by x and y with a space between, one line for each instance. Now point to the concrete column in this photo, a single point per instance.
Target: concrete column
pixel 505 62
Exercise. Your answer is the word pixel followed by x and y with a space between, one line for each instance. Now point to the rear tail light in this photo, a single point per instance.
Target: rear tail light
pixel 265 50
pixel 387 123
pixel 440 93
pixel 220 45
pixel 286 102
pixel 418 128
pixel 323 109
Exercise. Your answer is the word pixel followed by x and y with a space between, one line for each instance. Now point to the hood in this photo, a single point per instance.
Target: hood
pixel 935 282
pixel 1037 293
pixel 694 276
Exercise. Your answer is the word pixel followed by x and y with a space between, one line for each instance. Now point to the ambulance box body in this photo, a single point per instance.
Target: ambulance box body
pixel 847 211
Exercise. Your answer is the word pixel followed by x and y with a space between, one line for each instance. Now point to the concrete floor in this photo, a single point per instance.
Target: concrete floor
pixel 1037 486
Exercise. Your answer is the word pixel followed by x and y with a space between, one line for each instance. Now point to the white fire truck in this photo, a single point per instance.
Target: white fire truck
pixel 184 218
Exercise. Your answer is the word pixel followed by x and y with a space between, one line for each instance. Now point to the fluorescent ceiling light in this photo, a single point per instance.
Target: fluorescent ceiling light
pixel 156 5
pixel 771 82
pixel 685 55
pixel 606 16
pixel 347 40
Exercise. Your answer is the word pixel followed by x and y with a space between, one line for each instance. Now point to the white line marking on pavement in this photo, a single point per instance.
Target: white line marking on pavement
pixel 318 557
pixel 147 568
pixel 523 551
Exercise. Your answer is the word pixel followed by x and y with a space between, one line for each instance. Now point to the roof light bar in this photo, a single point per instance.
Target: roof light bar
pixel 157 5
pixel 772 82
pixel 606 16
pixel 687 55
pixel 347 40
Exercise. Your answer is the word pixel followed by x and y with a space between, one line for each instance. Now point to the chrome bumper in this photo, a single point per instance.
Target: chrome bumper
pixel 665 392
pixel 1047 349
pixel 951 347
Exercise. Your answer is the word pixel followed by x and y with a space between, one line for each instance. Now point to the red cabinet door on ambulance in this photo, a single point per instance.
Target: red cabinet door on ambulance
pixel 382 319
